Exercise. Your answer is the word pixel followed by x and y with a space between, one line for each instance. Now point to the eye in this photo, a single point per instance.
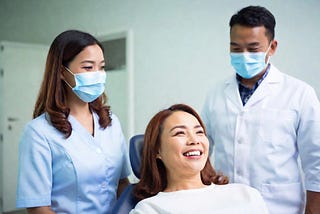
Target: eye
pixel 236 50
pixel 179 133
pixel 199 130
pixel 253 49
pixel 87 68
pixel 102 68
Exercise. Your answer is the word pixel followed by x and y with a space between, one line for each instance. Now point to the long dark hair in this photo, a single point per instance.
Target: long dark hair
pixel 153 178
pixel 52 95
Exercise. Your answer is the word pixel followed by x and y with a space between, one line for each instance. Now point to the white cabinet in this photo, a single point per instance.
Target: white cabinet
pixel 21 70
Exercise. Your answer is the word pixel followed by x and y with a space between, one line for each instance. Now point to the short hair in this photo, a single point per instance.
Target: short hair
pixel 153 178
pixel 255 16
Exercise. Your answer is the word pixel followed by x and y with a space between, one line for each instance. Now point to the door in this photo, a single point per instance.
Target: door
pixel 21 71
pixel 117 93
pixel 118 49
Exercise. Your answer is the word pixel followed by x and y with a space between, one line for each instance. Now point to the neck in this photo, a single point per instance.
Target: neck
pixel 183 183
pixel 81 111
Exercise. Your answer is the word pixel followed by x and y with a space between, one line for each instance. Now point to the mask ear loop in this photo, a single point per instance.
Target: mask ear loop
pixel 65 79
pixel 268 59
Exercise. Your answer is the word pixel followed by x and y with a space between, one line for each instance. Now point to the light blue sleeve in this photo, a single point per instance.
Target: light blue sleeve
pixel 308 139
pixel 34 175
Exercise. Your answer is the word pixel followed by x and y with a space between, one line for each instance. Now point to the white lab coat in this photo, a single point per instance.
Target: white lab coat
pixel 258 144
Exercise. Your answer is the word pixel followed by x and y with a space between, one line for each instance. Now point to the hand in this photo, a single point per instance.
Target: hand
pixel 221 179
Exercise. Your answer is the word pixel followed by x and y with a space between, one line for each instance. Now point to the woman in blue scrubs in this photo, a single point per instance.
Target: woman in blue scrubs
pixel 72 155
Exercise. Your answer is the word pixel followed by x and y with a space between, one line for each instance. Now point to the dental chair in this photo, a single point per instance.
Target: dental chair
pixel 126 201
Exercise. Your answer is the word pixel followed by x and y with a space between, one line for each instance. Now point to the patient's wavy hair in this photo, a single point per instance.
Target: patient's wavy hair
pixel 153 178
pixel 52 95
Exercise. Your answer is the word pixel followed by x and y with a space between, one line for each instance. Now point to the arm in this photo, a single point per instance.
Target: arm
pixel 313 202
pixel 34 181
pixel 40 210
pixel 309 149
pixel 123 183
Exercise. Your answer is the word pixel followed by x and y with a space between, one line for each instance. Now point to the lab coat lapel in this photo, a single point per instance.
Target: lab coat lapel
pixel 232 92
pixel 265 88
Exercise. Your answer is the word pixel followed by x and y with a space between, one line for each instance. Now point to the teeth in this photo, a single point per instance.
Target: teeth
pixel 193 153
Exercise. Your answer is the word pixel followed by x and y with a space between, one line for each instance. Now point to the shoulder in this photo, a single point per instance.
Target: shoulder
pixel 220 84
pixel 216 94
pixel 217 90
pixel 37 134
pixel 239 189
pixel 115 122
pixel 115 119
pixel 40 120
pixel 35 124
pixel 148 205
pixel 238 186
pixel 293 87
pixel 114 130
pixel 288 80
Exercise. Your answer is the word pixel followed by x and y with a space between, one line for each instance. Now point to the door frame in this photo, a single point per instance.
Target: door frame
pixel 128 35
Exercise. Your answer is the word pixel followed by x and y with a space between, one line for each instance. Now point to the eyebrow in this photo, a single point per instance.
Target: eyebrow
pixel 183 127
pixel 248 45
pixel 90 61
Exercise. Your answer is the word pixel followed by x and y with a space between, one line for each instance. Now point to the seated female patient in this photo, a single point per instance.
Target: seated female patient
pixel 176 174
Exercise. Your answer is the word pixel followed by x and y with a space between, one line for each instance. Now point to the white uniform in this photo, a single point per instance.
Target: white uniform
pixel 258 144
pixel 217 199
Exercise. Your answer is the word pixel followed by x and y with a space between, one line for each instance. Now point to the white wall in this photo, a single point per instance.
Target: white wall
pixel 180 47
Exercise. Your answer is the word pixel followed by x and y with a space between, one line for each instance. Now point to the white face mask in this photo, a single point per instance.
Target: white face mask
pixel 249 64
pixel 89 85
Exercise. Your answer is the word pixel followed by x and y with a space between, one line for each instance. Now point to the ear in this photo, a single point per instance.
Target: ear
pixel 273 47
pixel 67 77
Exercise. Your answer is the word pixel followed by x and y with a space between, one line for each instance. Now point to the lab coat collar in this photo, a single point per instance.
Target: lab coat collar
pixel 232 92
pixel 265 89
pixel 274 75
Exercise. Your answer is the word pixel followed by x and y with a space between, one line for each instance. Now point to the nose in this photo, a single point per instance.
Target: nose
pixel 193 139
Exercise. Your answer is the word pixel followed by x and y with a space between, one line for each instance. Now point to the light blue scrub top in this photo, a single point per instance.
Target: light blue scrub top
pixel 79 174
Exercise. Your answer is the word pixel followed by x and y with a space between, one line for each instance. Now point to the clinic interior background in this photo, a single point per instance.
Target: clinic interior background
pixel 178 48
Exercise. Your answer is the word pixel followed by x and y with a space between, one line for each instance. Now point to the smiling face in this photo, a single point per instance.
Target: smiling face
pixel 184 145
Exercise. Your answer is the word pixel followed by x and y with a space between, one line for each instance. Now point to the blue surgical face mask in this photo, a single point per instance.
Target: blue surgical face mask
pixel 89 85
pixel 249 64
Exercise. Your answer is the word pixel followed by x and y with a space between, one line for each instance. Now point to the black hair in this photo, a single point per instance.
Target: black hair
pixel 255 16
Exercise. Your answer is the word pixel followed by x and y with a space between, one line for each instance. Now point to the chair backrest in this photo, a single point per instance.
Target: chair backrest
pixel 126 201
pixel 135 151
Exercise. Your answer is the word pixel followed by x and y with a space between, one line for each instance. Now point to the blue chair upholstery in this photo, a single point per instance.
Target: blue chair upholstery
pixel 126 201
